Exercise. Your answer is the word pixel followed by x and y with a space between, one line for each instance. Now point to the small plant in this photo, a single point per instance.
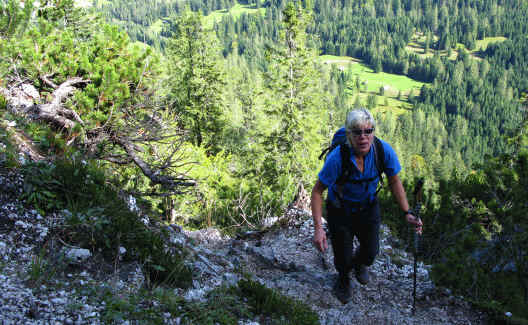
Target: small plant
pixel 267 301
pixel 3 103
pixel 144 307
pixel 248 300
pixel 41 270
pixel 8 153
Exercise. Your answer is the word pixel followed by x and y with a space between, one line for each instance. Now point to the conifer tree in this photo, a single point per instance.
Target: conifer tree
pixel 295 101
pixel 196 81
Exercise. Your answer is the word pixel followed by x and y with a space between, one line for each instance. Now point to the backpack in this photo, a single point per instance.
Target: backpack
pixel 339 139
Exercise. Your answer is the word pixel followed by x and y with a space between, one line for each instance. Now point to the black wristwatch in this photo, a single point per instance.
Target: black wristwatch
pixel 410 211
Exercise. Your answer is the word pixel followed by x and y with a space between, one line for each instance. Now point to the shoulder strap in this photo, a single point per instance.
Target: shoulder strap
pixel 327 151
pixel 346 166
pixel 379 158
pixel 379 155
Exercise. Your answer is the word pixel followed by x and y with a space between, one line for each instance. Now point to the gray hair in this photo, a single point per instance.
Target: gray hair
pixel 357 117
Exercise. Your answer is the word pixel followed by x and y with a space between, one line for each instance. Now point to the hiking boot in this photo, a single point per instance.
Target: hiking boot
pixel 342 289
pixel 362 275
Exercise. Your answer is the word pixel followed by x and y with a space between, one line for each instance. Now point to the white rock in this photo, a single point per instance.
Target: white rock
pixel 194 295
pixel 58 301
pixel 22 224
pixel 508 314
pixel 78 255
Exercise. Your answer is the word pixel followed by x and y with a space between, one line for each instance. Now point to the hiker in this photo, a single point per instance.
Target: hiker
pixel 352 205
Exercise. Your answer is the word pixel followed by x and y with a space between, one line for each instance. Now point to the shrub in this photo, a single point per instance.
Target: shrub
pixel 99 219
pixel 249 300
pixel 3 102
pixel 269 302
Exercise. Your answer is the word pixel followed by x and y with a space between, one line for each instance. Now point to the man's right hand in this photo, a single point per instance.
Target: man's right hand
pixel 320 239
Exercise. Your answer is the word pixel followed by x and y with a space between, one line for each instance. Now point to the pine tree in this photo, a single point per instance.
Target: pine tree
pixel 295 102
pixel 196 81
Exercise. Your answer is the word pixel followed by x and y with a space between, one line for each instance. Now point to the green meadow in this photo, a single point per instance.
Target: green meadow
pixel 396 88
pixel 417 44
pixel 371 82
pixel 482 45
pixel 236 11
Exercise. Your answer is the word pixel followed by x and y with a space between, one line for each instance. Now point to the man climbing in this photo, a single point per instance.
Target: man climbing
pixel 352 172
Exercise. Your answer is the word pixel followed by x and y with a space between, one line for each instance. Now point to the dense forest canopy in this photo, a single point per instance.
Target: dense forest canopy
pixel 222 126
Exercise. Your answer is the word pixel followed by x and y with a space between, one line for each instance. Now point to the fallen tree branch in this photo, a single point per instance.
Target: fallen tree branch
pixel 23 143
pixel 48 82
pixel 54 112
pixel 167 181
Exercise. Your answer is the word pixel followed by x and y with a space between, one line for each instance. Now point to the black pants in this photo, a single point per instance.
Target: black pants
pixel 344 225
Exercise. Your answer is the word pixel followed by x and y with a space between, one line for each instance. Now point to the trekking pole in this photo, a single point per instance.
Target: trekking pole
pixel 418 205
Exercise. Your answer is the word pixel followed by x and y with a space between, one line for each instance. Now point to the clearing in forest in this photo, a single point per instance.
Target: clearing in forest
pixel 417 45
pixel 236 11
pixel 396 88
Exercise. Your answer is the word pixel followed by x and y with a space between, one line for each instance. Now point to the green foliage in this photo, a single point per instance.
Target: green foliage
pixel 280 308
pixel 115 70
pixel 3 103
pixel 291 144
pixel 227 309
pixel 14 18
pixel 120 307
pixel 98 218
pixel 8 152
pixel 43 267
pixel 477 238
pixel 249 300
pixel 196 81
pixel 224 306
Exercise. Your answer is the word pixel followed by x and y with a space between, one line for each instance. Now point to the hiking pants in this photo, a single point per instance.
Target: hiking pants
pixel 344 225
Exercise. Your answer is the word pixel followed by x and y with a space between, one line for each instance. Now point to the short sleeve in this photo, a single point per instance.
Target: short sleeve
pixel 331 168
pixel 392 164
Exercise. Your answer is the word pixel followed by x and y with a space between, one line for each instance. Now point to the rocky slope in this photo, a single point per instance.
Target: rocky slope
pixel 282 257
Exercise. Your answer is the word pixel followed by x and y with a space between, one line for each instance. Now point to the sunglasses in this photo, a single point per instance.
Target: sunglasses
pixel 359 132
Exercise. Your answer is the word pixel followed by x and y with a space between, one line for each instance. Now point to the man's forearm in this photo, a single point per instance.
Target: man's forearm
pixel 317 210
pixel 317 205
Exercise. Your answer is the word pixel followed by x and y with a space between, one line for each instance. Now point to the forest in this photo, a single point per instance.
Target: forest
pixel 219 123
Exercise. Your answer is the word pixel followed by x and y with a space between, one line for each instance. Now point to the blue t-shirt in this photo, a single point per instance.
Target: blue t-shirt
pixel 363 192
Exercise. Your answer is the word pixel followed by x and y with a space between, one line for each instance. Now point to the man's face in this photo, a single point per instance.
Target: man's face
pixel 361 138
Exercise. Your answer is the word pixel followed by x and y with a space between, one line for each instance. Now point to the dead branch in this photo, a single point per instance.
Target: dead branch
pixel 48 82
pixel 119 160
pixel 23 143
pixel 53 111
pixel 170 182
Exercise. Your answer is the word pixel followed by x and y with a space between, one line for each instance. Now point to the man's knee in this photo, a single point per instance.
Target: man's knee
pixel 368 252
pixel 368 260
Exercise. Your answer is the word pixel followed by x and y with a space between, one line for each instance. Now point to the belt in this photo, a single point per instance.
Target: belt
pixel 357 206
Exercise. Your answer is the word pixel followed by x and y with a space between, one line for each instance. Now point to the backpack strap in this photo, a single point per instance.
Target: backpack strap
pixel 326 151
pixel 346 170
pixel 379 158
